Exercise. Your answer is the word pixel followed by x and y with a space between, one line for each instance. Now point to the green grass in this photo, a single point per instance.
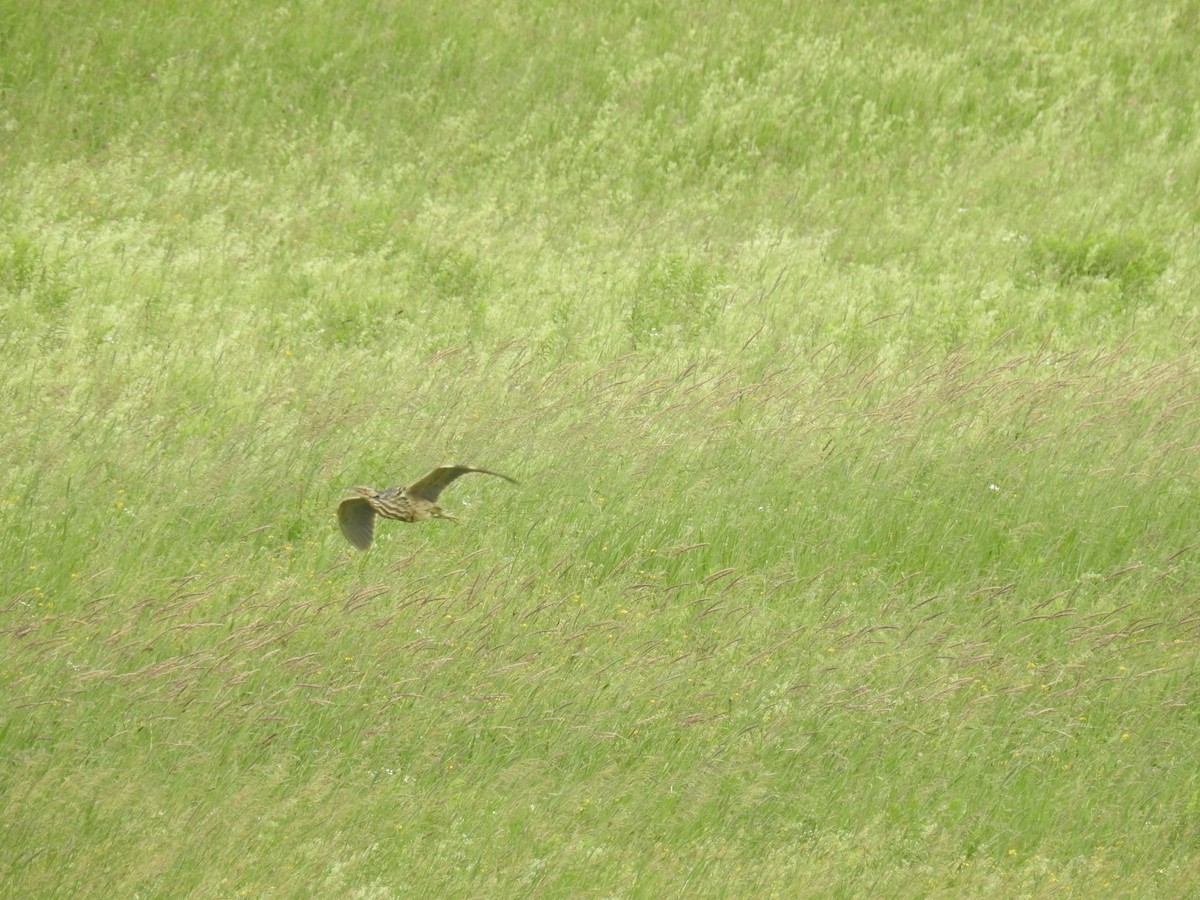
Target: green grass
pixel 847 356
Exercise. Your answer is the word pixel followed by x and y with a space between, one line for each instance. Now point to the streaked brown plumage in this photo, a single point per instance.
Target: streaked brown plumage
pixel 414 503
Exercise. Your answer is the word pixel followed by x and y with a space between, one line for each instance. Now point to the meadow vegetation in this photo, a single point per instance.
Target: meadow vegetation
pixel 846 353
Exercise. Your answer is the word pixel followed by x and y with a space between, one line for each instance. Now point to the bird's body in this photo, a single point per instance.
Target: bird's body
pixel 414 503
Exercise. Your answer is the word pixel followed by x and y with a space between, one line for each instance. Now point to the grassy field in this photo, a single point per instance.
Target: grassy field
pixel 847 355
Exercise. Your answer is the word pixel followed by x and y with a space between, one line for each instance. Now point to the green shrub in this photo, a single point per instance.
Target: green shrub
pixel 1130 262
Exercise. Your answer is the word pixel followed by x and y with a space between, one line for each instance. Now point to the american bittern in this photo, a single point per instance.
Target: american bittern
pixel 414 503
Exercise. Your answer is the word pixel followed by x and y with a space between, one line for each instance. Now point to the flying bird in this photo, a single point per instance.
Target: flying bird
pixel 414 503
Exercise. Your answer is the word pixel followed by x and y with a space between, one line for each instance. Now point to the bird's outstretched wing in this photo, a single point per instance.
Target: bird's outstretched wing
pixel 430 486
pixel 357 520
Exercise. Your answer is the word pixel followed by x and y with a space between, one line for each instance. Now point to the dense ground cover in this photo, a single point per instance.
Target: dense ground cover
pixel 848 360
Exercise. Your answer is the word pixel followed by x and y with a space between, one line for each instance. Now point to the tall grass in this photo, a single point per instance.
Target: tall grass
pixel 847 357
